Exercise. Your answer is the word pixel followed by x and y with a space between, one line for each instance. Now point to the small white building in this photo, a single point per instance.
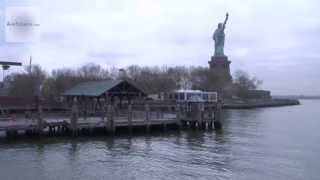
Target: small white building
pixel 183 95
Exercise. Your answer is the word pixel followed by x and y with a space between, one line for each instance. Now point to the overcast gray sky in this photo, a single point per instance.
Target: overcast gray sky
pixel 275 40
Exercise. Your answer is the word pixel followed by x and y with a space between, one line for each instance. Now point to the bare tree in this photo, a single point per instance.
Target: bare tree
pixel 243 83
pixel 27 84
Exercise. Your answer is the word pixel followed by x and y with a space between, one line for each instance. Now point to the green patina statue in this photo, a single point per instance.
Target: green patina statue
pixel 219 37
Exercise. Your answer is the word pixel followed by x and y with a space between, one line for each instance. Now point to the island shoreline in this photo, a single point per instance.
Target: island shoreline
pixel 260 103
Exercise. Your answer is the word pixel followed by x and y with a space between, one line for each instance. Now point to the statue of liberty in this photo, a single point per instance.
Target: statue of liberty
pixel 219 37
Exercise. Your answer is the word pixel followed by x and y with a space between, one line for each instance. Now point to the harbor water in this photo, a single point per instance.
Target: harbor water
pixel 267 143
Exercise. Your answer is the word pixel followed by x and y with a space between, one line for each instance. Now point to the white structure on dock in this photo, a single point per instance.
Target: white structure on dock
pixel 184 95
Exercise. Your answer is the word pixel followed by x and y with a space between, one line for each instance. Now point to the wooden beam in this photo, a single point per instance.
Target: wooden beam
pixel 10 63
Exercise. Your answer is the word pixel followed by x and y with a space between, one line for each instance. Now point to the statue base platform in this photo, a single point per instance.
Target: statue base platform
pixel 221 66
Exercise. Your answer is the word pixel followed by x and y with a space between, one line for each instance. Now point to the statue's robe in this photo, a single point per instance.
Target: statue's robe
pixel 218 38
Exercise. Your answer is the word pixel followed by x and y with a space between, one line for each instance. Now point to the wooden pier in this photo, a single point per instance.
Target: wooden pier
pixel 145 116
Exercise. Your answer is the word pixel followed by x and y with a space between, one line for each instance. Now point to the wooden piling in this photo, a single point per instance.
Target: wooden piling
pixel 74 117
pixel 211 117
pixel 147 119
pixel 217 116
pixel 197 113
pixel 40 123
pixel 164 126
pixel 11 133
pixel 201 121
pixel 130 118
pixel 110 118
pixel 178 115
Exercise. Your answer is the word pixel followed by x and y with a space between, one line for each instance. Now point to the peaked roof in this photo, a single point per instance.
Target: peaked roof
pixel 91 88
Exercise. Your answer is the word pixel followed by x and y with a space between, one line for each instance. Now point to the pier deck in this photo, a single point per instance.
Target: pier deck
pixel 30 124
pixel 110 120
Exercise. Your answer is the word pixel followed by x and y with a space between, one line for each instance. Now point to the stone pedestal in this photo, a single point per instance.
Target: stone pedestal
pixel 221 66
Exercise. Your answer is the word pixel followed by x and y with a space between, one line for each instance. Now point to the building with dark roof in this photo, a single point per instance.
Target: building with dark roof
pixel 94 94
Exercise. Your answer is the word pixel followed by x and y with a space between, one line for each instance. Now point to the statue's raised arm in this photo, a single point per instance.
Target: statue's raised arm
pixel 225 21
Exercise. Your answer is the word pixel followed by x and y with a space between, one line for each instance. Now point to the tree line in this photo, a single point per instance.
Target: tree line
pixel 35 80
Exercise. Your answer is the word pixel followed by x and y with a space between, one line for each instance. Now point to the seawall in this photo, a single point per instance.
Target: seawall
pixel 249 104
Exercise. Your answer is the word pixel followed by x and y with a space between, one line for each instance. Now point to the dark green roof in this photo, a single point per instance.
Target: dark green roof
pixel 92 88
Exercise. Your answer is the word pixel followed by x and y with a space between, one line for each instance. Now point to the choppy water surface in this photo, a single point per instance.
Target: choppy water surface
pixel 270 143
